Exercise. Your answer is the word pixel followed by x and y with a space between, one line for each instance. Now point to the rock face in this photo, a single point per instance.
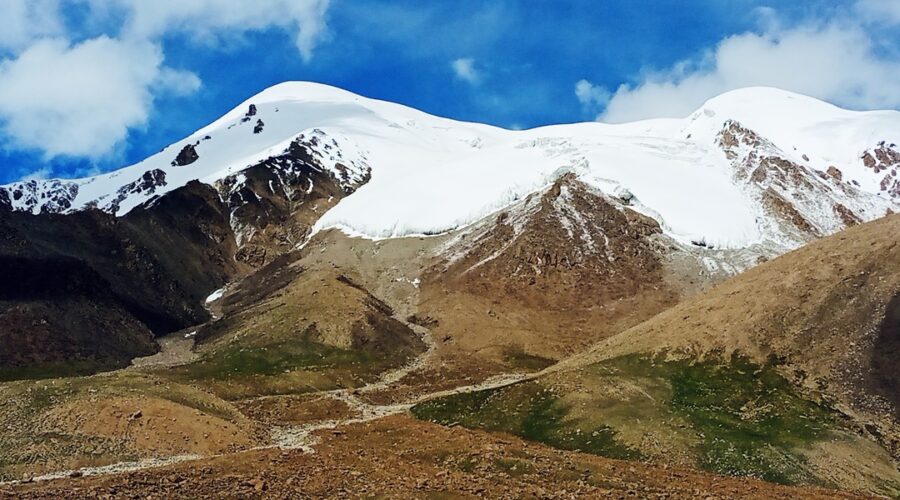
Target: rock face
pixel 571 233
pixel 186 156
pixel 258 127
pixel 52 196
pixel 805 204
pixel 146 184
pixel 885 159
pixel 5 202
pixel 274 203
pixel 88 290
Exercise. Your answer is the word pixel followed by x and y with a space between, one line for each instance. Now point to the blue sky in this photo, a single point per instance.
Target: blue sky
pixel 91 85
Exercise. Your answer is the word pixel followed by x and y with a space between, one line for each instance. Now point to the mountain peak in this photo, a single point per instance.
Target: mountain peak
pixel 419 163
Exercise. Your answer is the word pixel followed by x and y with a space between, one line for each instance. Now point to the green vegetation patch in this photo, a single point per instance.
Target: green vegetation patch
pixel 286 367
pixel 55 370
pixel 750 417
pixel 273 360
pixel 518 358
pixel 527 410
pixel 746 419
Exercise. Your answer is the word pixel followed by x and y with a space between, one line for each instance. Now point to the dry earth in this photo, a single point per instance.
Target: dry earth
pixel 397 457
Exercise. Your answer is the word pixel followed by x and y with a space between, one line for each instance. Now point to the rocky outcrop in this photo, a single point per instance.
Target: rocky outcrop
pixel 884 160
pixel 258 127
pixel 186 156
pixel 572 234
pixel 87 290
pixel 50 196
pixel 805 204
pixel 5 202
pixel 147 184
pixel 555 272
pixel 274 204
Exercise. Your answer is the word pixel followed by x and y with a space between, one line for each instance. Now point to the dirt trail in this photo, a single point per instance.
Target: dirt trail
pixel 176 350
pixel 303 436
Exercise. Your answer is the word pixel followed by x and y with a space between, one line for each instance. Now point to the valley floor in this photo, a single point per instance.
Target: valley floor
pixel 343 443
pixel 399 457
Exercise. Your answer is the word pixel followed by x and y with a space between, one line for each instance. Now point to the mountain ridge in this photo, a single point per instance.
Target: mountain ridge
pixel 417 160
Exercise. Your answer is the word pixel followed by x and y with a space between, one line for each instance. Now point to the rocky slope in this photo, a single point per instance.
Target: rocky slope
pixel 98 287
pixel 435 461
pixel 91 290
pixel 828 314
pixel 780 372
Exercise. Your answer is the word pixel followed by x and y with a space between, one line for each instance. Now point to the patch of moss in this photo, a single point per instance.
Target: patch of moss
pixel 236 362
pixel 518 358
pixel 748 418
pixel 527 410
pixel 55 370
pixel 287 367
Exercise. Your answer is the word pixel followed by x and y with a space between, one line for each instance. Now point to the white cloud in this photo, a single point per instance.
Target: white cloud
pixel 26 20
pixel 37 175
pixel 879 11
pixel 177 82
pixel 591 96
pixel 81 99
pixel 215 21
pixel 464 68
pixel 836 63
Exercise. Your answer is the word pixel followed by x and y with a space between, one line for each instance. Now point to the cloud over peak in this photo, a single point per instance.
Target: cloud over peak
pixel 464 69
pixel 80 100
pixel 836 62
pixel 216 21
pixel 77 90
pixel 591 96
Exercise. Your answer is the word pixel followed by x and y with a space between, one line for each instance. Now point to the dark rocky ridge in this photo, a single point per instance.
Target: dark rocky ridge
pixel 275 203
pixel 88 290
pixel 51 311
pixel 885 376
pixel 90 287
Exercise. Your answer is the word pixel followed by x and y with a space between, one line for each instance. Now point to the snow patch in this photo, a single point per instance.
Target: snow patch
pixel 216 295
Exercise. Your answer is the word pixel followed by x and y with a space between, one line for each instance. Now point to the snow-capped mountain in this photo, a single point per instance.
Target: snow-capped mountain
pixel 752 166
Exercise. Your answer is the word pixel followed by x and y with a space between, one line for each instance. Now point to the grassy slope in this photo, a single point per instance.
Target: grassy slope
pixel 734 418
pixel 73 422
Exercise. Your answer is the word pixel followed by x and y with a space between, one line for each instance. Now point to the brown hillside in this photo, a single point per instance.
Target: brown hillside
pixel 827 313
